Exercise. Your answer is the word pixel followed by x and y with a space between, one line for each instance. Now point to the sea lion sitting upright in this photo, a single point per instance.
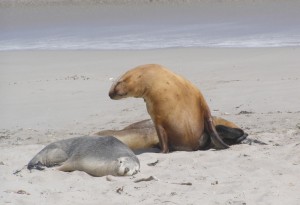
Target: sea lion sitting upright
pixel 178 109
pixel 97 156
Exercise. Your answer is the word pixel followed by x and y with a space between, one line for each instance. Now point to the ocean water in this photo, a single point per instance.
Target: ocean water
pixel 72 26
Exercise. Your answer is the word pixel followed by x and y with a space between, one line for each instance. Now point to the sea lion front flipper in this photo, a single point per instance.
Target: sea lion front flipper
pixel 231 135
pixel 163 138
pixel 67 166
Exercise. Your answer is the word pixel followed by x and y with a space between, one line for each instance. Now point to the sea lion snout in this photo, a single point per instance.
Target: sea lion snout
pixel 128 166
pixel 112 94
pixel 115 95
pixel 118 90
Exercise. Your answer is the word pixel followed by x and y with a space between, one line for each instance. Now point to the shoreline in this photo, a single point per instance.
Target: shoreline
pixel 150 25
pixel 127 3
pixel 152 49
pixel 114 2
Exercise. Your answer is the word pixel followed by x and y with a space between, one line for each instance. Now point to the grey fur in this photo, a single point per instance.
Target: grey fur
pixel 97 156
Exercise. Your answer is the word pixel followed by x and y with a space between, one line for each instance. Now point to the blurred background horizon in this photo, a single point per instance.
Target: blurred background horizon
pixel 134 26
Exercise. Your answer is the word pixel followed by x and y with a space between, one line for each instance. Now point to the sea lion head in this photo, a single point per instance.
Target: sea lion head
pixel 128 166
pixel 134 83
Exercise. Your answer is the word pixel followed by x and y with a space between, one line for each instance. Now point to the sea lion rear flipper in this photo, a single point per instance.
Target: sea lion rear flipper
pixel 51 155
pixel 215 138
pixel 231 135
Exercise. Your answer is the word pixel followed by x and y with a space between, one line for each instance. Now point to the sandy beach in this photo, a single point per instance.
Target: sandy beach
pixel 52 95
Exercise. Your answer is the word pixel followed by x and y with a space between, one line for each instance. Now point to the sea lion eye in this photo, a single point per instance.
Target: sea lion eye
pixel 126 170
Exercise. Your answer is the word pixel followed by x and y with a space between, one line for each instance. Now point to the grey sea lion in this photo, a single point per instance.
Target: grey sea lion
pixel 97 156
pixel 142 134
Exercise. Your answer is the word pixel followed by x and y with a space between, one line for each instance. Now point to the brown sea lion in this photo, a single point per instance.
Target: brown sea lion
pixel 139 135
pixel 178 109
pixel 142 134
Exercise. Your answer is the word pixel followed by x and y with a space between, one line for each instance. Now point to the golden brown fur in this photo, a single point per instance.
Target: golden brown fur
pixel 139 135
pixel 142 134
pixel 222 121
pixel 177 108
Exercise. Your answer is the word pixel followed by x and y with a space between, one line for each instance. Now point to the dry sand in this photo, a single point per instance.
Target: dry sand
pixel 51 95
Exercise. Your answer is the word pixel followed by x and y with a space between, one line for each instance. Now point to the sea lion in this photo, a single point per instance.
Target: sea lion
pixel 137 136
pixel 142 134
pixel 97 156
pixel 178 109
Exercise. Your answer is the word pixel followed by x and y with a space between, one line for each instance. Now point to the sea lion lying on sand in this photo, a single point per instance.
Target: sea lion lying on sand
pixel 178 109
pixel 142 134
pixel 139 135
pixel 97 156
